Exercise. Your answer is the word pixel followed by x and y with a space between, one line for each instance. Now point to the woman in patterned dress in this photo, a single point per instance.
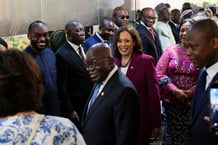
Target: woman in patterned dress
pixel 177 77
pixel 20 91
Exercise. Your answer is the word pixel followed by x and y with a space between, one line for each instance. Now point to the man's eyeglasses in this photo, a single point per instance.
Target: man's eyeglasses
pixel 123 17
pixel 38 35
pixel 93 65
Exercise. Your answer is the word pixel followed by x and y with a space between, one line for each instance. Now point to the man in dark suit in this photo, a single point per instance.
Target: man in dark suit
pixel 74 82
pixel 120 16
pixel 104 35
pixel 150 42
pixel 174 23
pixel 202 49
pixel 113 118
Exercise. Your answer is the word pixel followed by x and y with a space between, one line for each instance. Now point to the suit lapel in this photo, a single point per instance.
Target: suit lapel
pixel 102 95
pixel 204 101
pixel 133 65
pixel 97 39
pixel 98 100
pixel 150 37
pixel 72 55
pixel 153 42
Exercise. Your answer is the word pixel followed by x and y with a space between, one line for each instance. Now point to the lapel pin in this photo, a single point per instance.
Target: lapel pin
pixel 102 93
pixel 132 67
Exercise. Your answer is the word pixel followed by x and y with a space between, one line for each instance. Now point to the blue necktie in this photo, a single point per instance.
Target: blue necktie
pixel 94 96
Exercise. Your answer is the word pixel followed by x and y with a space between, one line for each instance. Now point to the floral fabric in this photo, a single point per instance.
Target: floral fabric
pixel 175 70
pixel 52 131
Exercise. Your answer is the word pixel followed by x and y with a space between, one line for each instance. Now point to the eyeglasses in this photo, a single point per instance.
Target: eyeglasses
pixel 123 17
pixel 93 65
pixel 38 35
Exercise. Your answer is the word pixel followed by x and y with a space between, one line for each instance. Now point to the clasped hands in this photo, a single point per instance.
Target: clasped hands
pixel 182 95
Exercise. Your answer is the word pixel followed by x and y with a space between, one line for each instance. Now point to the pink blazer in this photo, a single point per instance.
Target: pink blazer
pixel 141 72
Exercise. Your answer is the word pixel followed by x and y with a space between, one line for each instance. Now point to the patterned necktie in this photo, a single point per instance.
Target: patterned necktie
pixel 94 96
pixel 152 33
pixel 81 54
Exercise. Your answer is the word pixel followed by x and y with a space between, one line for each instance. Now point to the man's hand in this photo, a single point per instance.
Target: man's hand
pixel 179 94
pixel 207 118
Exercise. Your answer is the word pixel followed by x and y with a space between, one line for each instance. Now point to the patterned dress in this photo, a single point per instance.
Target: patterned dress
pixel 175 70
pixel 52 130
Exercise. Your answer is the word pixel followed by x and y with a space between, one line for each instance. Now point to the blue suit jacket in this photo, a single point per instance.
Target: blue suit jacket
pixel 93 40
pixel 150 46
pixel 200 132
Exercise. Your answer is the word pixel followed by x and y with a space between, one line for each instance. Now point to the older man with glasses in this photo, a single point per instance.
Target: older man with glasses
pixel 111 115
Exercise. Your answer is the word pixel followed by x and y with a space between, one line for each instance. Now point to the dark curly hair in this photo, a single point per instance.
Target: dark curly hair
pixel 20 83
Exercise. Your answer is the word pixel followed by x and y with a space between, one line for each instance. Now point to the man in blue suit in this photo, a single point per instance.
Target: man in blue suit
pixel 151 44
pixel 104 35
pixel 202 49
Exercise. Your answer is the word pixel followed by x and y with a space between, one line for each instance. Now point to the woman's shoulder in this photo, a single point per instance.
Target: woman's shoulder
pixel 55 120
pixel 147 57
pixel 144 59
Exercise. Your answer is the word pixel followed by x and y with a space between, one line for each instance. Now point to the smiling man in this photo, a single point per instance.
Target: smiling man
pixel 150 39
pixel 104 35
pixel 111 116
pixel 74 83
pixel 45 58
pixel 202 49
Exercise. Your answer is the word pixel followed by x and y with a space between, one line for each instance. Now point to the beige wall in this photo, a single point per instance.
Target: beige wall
pixel 174 4
pixel 16 15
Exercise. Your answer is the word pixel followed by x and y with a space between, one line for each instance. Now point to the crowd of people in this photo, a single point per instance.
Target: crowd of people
pixel 117 86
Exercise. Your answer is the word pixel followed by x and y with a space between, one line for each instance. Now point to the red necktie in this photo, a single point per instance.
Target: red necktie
pixel 152 33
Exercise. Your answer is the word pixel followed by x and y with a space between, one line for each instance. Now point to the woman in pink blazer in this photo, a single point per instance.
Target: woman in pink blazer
pixel 140 69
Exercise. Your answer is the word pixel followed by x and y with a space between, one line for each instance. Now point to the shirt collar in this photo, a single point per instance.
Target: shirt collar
pixel 173 23
pixel 144 25
pixel 98 35
pixel 116 27
pixel 75 47
pixel 108 77
pixel 212 70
